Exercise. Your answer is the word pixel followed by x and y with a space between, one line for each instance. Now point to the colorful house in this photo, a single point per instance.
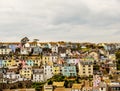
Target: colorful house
pixel 26 72
pixel 47 60
pixel 4 63
pixel 11 62
pixel 29 62
pixel 56 70
pixel 69 70
pixel 48 71
pixel 85 68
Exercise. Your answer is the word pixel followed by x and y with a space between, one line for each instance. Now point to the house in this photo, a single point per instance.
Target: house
pixel 76 87
pixel 5 50
pixel 48 72
pixel 25 49
pixel 61 50
pixel 13 47
pixel 94 55
pixel 115 87
pixel 96 81
pixel 54 49
pixel 37 50
pixel 4 63
pixel 48 87
pixel 23 63
pixel 102 86
pixel 85 68
pixel 112 57
pixel 72 61
pixel 69 70
pixel 87 86
pixel 54 57
pixel 11 62
pixel 37 62
pixel 38 75
pixel 29 63
pixel 26 72
pixel 56 70
pixel 11 77
pixel 58 84
pixel 46 59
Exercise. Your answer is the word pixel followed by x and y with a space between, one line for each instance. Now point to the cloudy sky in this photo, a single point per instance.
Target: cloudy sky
pixel 57 20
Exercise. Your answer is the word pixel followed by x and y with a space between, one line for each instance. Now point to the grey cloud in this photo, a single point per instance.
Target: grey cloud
pixel 84 20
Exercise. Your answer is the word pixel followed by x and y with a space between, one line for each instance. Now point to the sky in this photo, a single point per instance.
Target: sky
pixel 60 20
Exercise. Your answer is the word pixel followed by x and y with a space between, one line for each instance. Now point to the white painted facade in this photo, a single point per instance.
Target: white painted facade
pixel 48 72
pixel 5 50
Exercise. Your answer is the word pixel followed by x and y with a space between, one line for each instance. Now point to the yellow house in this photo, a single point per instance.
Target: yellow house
pixel 56 70
pixel 76 87
pixel 11 62
pixel 85 68
pixel 58 84
pixel 26 72
pixel 47 60
pixel 36 60
pixel 48 87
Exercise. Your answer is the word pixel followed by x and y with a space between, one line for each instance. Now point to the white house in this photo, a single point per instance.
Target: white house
pixel 38 75
pixel 48 71
pixel 54 49
pixel 102 86
pixel 5 50
pixel 11 77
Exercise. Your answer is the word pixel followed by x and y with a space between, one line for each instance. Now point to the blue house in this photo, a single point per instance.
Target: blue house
pixel 30 62
pixel 4 63
pixel 69 70
pixel 13 47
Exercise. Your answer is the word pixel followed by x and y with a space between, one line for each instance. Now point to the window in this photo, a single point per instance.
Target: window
pixel 89 69
pixel 101 88
pixel 70 70
pixel 65 70
pixel 83 65
pixel 89 65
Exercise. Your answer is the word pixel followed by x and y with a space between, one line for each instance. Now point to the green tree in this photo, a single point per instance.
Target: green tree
pixel 50 82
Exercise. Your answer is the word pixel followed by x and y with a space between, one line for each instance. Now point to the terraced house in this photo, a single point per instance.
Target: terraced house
pixel 26 72
pixel 69 70
pixel 85 68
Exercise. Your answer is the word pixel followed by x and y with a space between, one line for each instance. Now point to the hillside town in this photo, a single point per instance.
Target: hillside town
pixel 59 66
